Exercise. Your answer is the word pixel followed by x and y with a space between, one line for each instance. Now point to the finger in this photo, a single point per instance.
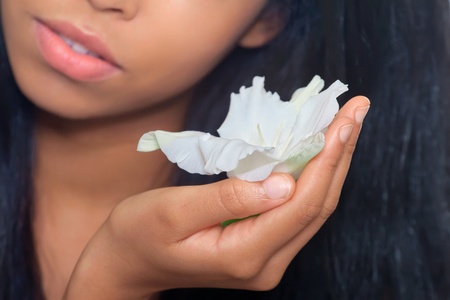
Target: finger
pixel 330 167
pixel 187 210
pixel 204 206
pixel 265 235
pixel 278 226
pixel 356 109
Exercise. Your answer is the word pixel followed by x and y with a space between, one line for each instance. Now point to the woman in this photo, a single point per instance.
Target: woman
pixel 314 32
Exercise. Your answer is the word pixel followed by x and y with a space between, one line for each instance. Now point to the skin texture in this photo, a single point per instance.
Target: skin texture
pixel 92 187
pixel 148 39
pixel 184 244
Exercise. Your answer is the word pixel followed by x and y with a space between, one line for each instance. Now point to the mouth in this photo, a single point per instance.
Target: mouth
pixel 81 41
pixel 75 53
pixel 78 48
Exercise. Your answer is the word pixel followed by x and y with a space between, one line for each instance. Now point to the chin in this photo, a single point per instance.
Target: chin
pixel 69 113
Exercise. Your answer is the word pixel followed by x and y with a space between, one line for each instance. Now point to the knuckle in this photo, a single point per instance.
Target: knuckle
pixel 328 209
pixel 266 281
pixel 169 219
pixel 116 219
pixel 350 148
pixel 123 221
pixel 308 213
pixel 242 269
pixel 164 214
pixel 332 162
pixel 232 197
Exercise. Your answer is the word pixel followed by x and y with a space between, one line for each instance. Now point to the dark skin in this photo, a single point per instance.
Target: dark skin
pixel 70 207
pixel 105 223
pixel 184 244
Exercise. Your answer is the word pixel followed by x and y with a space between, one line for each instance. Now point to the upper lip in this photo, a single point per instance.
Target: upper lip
pixel 90 41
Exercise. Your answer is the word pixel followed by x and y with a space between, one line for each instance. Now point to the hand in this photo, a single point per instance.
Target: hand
pixel 172 237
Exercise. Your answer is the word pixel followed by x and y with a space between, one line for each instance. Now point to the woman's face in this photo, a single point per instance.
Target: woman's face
pixel 141 52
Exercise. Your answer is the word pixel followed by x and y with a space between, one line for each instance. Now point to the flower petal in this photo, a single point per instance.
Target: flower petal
pixel 180 147
pixel 258 117
pixel 301 95
pixel 318 111
pixel 260 134
pixel 202 153
pixel 301 154
pixel 225 155
pixel 155 140
pixel 255 167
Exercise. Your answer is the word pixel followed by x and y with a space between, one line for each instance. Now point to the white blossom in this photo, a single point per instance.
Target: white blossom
pixel 260 135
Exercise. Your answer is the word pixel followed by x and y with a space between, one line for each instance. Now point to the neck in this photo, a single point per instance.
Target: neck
pixel 83 169
pixel 96 160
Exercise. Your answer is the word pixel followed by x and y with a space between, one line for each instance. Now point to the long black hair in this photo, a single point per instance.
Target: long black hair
pixel 17 271
pixel 390 236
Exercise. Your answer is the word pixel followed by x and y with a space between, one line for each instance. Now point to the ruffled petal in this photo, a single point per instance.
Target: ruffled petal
pixel 301 95
pixel 225 155
pixel 260 134
pixel 181 148
pixel 300 155
pixel 202 153
pixel 255 167
pixel 318 111
pixel 155 140
pixel 258 117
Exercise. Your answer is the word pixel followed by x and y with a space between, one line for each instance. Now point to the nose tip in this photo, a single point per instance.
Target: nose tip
pixel 127 9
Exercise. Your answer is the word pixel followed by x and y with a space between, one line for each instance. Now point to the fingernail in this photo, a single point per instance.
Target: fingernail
pixel 277 187
pixel 345 132
pixel 361 113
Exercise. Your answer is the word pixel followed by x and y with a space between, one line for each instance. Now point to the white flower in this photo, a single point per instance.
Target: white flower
pixel 261 134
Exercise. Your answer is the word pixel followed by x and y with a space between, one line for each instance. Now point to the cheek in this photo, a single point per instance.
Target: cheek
pixel 163 57
pixel 177 68
pixel 181 41
pixel 180 58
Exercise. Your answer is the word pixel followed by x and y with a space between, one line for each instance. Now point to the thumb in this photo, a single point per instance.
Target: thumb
pixel 194 208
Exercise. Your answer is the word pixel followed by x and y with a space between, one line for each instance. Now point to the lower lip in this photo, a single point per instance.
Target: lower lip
pixel 61 57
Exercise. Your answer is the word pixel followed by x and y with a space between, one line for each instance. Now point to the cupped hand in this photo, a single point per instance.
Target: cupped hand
pixel 172 237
